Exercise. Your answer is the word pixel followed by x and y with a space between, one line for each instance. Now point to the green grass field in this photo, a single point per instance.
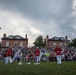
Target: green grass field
pixel 44 68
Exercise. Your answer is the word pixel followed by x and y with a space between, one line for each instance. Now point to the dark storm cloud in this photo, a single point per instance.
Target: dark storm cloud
pixel 38 9
pixel 43 11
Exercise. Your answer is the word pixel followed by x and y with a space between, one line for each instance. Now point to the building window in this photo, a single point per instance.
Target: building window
pixel 62 38
pixel 10 37
pixel 17 37
pixel 65 44
pixel 56 38
pixel 54 44
pixel 7 44
pixel 60 44
pixel 15 43
pixel 21 44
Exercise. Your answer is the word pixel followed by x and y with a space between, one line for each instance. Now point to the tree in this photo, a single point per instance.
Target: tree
pixel 39 41
pixel 72 43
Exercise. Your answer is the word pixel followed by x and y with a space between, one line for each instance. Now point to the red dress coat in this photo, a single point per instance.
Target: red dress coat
pixel 58 50
pixel 37 52
pixel 9 52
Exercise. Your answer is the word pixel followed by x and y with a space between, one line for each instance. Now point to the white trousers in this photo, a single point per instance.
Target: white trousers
pixel 8 59
pixel 59 59
pixel 37 59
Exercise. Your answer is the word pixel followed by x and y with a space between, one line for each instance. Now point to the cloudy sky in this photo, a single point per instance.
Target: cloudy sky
pixel 38 17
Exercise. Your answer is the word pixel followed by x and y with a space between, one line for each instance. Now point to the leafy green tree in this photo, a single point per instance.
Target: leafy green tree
pixel 39 41
pixel 72 43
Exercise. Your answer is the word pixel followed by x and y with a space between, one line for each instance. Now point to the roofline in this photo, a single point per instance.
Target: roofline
pixel 57 40
pixel 14 39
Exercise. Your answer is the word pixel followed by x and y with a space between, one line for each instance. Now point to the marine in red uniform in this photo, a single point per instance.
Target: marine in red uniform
pixel 58 54
pixel 58 50
pixel 37 54
pixel 9 52
pixel 8 56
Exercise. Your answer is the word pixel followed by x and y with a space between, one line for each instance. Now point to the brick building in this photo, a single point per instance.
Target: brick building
pixel 57 41
pixel 14 40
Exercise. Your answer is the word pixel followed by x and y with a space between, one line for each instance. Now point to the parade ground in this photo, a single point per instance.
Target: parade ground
pixel 44 68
